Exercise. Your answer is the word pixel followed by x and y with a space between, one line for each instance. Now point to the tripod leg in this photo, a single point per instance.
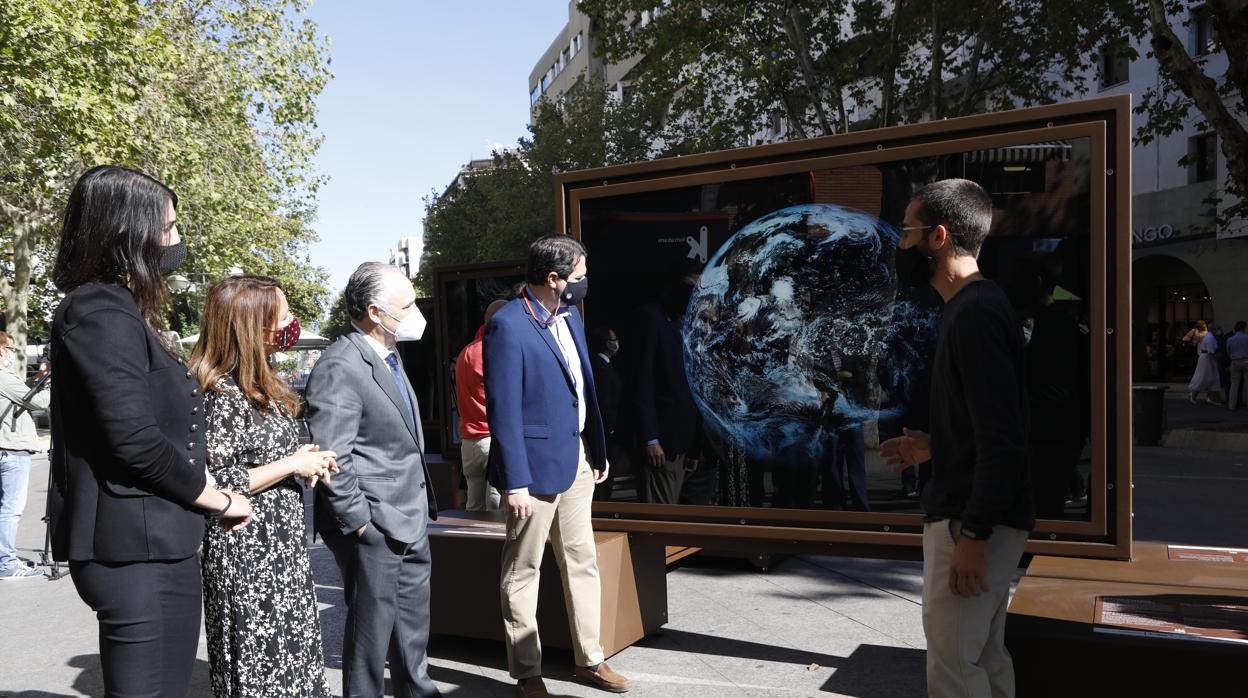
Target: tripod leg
pixel 45 557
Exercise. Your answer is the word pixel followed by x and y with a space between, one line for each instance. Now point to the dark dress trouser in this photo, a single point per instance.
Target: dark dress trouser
pixel 149 615
pixel 386 584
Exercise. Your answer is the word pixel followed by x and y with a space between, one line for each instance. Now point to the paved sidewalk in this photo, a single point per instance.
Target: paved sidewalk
pixel 810 626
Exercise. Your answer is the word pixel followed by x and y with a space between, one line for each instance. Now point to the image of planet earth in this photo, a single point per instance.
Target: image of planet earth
pixel 799 325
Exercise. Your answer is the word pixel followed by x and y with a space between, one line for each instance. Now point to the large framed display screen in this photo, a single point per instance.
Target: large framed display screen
pixel 764 332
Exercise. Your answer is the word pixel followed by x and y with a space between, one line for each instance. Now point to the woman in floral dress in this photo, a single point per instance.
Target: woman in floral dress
pixel 264 634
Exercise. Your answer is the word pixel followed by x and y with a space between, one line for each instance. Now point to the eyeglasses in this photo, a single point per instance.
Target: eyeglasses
pixel 908 228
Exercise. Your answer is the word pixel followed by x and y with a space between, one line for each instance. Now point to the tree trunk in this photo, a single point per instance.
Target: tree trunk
pixel 888 78
pixel 936 86
pixel 1203 90
pixel 972 77
pixel 1230 20
pixel 793 22
pixel 17 293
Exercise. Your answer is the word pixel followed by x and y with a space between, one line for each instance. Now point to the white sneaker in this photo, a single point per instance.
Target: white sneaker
pixel 20 572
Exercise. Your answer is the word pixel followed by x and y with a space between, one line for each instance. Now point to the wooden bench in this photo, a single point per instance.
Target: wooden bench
pixel 467 550
pixel 1053 636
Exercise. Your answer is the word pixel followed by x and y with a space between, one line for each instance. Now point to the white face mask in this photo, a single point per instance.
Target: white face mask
pixel 410 329
pixel 613 347
pixel 9 358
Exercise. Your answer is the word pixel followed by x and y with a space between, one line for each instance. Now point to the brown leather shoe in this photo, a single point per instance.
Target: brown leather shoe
pixel 531 688
pixel 604 678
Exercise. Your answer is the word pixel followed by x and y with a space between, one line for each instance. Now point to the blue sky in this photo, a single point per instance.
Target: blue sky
pixel 420 87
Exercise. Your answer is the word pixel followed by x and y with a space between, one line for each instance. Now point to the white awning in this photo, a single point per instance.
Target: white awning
pixel 1029 153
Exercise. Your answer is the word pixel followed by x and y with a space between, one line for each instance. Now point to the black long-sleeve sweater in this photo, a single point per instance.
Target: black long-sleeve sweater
pixel 979 415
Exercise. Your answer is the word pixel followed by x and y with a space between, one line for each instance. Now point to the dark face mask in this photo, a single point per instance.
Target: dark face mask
pixel 574 293
pixel 916 265
pixel 172 257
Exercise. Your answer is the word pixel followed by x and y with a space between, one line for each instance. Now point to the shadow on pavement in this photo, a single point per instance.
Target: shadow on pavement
pixel 698 643
pixel 90 680
pixel 874 670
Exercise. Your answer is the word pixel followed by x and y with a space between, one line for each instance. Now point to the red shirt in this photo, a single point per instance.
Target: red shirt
pixel 470 390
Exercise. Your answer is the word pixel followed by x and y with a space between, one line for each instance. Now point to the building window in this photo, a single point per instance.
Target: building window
pixel 576 43
pixel 1204 38
pixel 1114 64
pixel 535 94
pixel 550 74
pixel 563 59
pixel 1202 156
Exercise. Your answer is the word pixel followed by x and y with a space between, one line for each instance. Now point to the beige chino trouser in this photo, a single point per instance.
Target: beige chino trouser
pixel 966 655
pixel 565 520
pixel 475 454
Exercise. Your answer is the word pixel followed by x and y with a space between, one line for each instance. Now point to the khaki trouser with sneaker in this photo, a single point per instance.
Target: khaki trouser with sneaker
pixel 966 655
pixel 564 520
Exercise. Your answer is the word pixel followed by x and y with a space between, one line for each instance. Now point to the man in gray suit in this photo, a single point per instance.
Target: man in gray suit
pixel 373 514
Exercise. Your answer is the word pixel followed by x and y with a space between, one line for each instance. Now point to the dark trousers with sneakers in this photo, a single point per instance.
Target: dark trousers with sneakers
pixel 1052 469
pixel 386 584
pixel 149 614
pixel 845 455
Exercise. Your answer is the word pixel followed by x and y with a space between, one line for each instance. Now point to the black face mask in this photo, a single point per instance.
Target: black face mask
pixel 172 257
pixel 575 292
pixel 914 266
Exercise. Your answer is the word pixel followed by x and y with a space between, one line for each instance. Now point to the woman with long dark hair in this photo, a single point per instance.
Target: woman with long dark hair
pixel 264 635
pixel 128 453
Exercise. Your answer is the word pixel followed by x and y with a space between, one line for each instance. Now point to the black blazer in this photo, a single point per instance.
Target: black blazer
pixel 663 406
pixel 127 435
pixel 610 393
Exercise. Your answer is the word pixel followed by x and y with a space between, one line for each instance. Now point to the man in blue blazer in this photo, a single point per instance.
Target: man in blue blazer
pixel 548 451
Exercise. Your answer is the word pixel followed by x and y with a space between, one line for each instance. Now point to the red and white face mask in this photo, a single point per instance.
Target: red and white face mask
pixel 286 337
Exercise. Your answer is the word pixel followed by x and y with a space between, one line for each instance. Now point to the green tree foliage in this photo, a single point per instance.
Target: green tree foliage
pixel 725 69
pixel 722 70
pixel 493 215
pixel 338 322
pixel 213 97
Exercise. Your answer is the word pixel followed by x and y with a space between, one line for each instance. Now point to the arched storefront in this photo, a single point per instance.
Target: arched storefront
pixel 1169 296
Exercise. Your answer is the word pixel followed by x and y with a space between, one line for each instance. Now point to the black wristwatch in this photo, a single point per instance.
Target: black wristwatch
pixel 973 535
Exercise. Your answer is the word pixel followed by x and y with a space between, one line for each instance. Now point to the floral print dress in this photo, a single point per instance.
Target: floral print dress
pixel 264 633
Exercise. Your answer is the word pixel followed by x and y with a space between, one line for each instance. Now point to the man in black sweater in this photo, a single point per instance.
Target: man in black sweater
pixel 978 507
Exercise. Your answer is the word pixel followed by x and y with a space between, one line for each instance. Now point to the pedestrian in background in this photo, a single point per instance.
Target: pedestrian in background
pixel 264 630
pixel 128 450
pixel 604 347
pixel 18 442
pixel 474 427
pixel 1205 377
pixel 1237 352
